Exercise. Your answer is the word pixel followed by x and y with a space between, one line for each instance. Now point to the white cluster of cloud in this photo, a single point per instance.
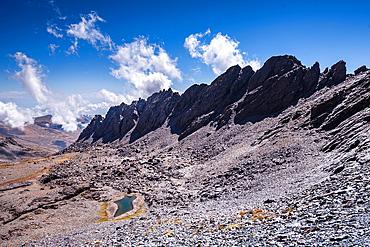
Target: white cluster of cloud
pixel 113 98
pixel 73 48
pixel 65 109
pixel 30 76
pixel 107 99
pixel 147 66
pixel 52 48
pixel 67 112
pixel 54 30
pixel 13 115
pixel 87 30
pixel 221 53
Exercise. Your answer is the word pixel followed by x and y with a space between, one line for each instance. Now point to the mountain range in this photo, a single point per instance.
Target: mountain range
pixel 237 96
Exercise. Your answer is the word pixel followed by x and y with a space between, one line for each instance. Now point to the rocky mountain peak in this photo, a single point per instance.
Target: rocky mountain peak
pixel 273 67
pixel 199 105
pixel 336 74
pixel 90 129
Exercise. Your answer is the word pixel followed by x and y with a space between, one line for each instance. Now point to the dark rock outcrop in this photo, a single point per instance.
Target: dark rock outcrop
pixel 360 69
pixel 118 121
pixel 91 128
pixel 155 112
pixel 344 111
pixel 273 69
pixel 336 74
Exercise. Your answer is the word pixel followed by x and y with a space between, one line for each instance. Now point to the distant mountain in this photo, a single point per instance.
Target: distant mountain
pixel 45 121
pixel 44 134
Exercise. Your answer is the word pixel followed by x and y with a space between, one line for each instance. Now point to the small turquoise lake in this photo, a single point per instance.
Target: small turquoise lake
pixel 124 205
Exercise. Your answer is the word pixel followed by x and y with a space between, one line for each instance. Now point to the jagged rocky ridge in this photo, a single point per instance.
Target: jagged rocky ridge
pixel 242 93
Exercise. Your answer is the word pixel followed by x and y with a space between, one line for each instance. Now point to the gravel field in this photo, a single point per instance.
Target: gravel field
pixel 334 212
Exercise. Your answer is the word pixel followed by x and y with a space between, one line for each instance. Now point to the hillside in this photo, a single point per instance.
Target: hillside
pixel 278 156
pixel 11 151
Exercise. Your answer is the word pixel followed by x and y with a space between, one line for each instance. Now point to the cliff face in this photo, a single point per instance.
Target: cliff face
pixel 281 82
pixel 238 95
pixel 199 105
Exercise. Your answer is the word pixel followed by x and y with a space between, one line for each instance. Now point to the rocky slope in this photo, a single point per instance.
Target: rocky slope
pixel 277 156
pixel 11 151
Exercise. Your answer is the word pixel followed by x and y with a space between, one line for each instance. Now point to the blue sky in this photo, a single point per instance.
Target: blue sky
pixel 70 58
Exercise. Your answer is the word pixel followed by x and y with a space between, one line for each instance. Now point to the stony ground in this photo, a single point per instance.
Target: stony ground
pixel 333 212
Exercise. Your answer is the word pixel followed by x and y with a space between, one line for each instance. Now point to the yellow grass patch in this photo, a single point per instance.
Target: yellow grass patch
pixel 169 232
pixel 7 164
pixel 104 215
